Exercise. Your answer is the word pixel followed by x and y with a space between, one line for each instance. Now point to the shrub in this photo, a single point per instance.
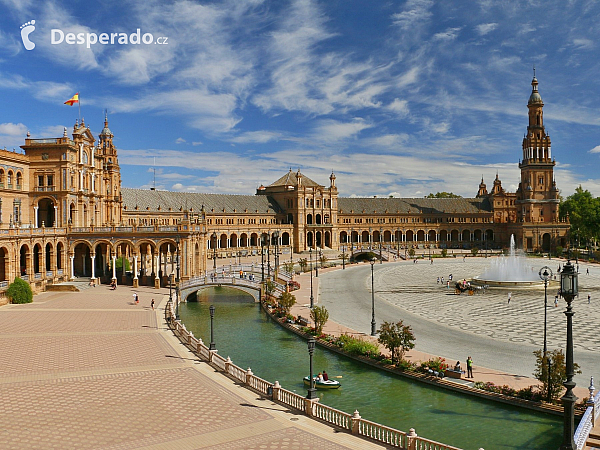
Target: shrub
pixel 436 364
pixel 411 252
pixel 319 316
pixel 444 252
pixel 119 264
pixel 357 346
pixel 397 338
pixel 286 301
pixel 19 291
pixel 403 364
pixel 474 251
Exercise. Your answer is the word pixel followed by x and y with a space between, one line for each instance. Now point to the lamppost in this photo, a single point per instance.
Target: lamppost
pixel 312 300
pixel 212 334
pixel 269 256
pixel 380 255
pixel 343 257
pixel 312 392
pixel 214 237
pixel 373 324
pixel 545 274
pixel 276 236
pixel 568 289
pixel 262 258
pixel 177 240
pixel 317 252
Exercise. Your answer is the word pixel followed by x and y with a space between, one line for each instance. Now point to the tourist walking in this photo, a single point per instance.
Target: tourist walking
pixel 469 367
pixel 589 298
pixel 136 299
pixel 556 301
pixel 152 304
pixel 587 271
pixel 509 297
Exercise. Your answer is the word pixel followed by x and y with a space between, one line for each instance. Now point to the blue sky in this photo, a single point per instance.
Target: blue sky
pixel 397 97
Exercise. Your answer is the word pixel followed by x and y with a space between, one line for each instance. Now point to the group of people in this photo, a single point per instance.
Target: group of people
pixel 441 280
pixel 322 377
pixel 458 367
pixel 136 300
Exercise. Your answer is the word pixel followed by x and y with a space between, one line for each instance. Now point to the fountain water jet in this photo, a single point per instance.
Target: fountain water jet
pixel 510 272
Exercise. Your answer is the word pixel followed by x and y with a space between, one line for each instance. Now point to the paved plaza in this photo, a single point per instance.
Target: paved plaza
pixel 497 335
pixel 93 370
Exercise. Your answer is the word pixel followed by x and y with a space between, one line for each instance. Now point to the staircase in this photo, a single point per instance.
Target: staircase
pixel 593 441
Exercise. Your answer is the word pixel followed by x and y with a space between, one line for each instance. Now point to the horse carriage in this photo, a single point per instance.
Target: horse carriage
pixel 462 287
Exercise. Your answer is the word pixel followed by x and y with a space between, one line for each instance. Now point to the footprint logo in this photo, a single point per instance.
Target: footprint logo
pixel 26 29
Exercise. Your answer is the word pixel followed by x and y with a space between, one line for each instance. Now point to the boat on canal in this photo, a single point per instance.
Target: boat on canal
pixel 329 384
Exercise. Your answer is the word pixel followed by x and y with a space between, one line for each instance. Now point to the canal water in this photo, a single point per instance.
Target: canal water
pixel 247 335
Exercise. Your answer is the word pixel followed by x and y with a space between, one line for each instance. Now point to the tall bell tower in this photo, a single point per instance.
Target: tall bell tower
pixel 537 196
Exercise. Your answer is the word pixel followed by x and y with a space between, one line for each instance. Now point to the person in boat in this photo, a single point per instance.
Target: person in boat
pixel 325 376
pixel 320 377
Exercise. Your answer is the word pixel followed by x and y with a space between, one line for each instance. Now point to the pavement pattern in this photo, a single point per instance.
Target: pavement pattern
pixel 92 370
pixel 498 335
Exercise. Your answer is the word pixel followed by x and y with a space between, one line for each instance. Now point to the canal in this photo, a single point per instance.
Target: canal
pixel 247 335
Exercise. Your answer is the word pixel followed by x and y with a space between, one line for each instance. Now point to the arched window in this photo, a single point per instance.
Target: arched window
pixel 19 180
pixel 9 178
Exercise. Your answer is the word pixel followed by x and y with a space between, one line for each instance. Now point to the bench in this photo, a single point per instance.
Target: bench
pixel 450 373
pixel 302 321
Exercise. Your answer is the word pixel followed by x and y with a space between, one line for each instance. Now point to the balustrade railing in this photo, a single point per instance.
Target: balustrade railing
pixel 258 384
pixel 236 372
pixel 291 399
pixel 426 444
pixel 218 361
pixel 331 415
pixel 587 422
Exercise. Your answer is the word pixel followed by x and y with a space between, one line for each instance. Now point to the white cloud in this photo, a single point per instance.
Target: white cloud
pixel 400 107
pixel 583 44
pixel 596 149
pixel 447 35
pixel 180 140
pixel 386 140
pixel 330 131
pixel 485 28
pixel 414 11
pixel 258 137
pixel 196 143
pixel 13 129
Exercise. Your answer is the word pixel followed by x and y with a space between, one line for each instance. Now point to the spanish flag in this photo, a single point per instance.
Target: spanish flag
pixel 73 100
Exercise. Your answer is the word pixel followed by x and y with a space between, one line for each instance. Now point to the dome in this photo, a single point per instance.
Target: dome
pixel 535 97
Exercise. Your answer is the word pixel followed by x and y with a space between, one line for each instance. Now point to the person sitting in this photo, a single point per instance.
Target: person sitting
pixel 320 377
pixel 325 376
pixel 457 367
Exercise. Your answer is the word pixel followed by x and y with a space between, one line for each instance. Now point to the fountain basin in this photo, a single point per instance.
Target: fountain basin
pixel 536 284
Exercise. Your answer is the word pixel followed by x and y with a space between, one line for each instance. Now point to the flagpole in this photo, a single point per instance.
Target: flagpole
pixel 79 105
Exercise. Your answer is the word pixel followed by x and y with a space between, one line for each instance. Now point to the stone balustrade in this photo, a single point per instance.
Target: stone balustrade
pixel 352 423
pixel 589 419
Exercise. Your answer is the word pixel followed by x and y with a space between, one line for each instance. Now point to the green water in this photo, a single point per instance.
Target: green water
pixel 251 339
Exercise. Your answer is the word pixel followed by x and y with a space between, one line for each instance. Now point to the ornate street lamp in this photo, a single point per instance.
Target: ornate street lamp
pixel 343 257
pixel 262 257
pixel 545 274
pixel 568 290
pixel 276 236
pixel 214 236
pixel 380 247
pixel 373 324
pixel 312 300
pixel 312 392
pixel 178 292
pixel 269 256
pixel 317 253
pixel 212 334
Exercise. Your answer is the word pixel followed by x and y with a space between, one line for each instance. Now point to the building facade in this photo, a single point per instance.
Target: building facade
pixel 63 213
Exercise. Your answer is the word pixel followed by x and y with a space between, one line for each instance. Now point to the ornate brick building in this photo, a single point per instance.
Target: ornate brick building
pixel 63 213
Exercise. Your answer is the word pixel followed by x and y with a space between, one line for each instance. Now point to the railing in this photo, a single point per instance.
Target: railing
pixel 49 273
pixel 218 361
pixel 290 399
pixel 258 384
pixel 331 415
pixel 80 229
pixel 587 422
pixel 124 229
pixel 59 272
pixel 145 229
pixel 236 372
pixel 426 444
pixel 102 229
pixel 37 276
pixel 167 228
pixel 380 433
pixel 3 284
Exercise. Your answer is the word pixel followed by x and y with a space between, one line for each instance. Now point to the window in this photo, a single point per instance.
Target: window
pixel 50 180
pixel 40 180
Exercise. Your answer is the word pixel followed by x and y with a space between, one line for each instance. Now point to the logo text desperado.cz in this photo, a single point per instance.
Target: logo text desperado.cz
pixel 57 36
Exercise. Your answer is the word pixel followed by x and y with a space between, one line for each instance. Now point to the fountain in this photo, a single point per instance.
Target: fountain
pixel 510 272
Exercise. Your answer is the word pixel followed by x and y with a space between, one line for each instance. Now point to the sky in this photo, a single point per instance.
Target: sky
pixel 398 98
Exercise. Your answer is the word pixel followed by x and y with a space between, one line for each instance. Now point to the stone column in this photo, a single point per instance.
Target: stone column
pixel 72 274
pixel 114 267
pixel 135 272
pixel 93 257
pixel 35 216
pixel 55 224
pixel 156 278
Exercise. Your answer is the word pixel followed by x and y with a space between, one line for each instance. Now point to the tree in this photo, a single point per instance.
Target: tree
pixel 584 215
pixel 19 291
pixel 319 316
pixel 411 252
pixel 444 252
pixel 119 264
pixel 443 195
pixel 397 338
pixel 552 379
pixel 269 288
pixel 288 267
pixel 286 301
pixel 303 263
pixel 474 251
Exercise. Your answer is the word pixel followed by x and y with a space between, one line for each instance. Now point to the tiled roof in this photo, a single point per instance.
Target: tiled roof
pixel 289 179
pixel 413 205
pixel 144 198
